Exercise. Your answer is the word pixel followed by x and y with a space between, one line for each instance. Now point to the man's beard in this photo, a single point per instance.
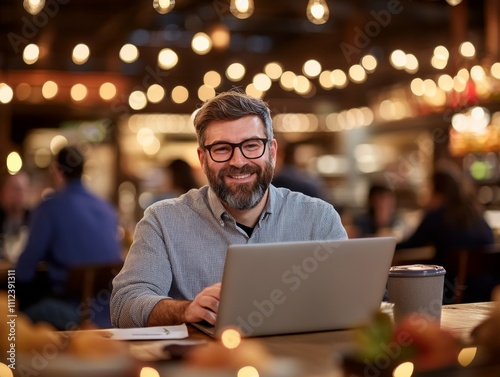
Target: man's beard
pixel 245 195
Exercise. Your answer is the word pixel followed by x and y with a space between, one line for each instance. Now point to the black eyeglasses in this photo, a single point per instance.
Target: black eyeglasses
pixel 250 148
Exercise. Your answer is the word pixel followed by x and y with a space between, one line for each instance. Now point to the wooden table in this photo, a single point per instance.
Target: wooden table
pixel 318 353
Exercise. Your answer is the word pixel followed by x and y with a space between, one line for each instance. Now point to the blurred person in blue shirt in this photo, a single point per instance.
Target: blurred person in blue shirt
pixel 71 227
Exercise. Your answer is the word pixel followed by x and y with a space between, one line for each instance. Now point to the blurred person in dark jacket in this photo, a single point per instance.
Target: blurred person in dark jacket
pixel 71 227
pixel 180 178
pixel 294 178
pixel 380 217
pixel 453 221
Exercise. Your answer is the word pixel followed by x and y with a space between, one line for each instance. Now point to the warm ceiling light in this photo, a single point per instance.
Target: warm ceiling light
pixel 31 53
pixel 252 91
pixel 467 50
pixel 441 52
pixel 241 8
pixel 464 74
pixel 167 58
pixel 6 93
pixel 301 84
pixel 179 94
pixel 438 62
pixel 49 89
pixel 357 73
pixel 411 65
pixel 235 72
pixel 311 68
pixel 163 6
pixel 137 100
pixel 339 78
pixel 33 6
pixel 317 11
pixel 477 73
pixel 398 59
pixel 212 78
pixel 445 82
pixel 453 2
pixel 430 88
pixel 495 70
pixel 325 80
pixel 155 93
pixel 220 37
pixel 417 87
pixel 369 63
pixel 107 91
pixel 287 79
pixel 81 54
pixel 78 92
pixel 273 70
pixel 459 84
pixel 205 92
pixel 129 53
pixel 201 43
pixel 14 162
pixel 262 82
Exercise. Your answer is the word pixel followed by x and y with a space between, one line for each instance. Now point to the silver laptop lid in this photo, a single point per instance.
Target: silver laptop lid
pixel 282 288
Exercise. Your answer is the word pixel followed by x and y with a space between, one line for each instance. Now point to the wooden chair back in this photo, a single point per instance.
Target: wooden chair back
pixel 85 282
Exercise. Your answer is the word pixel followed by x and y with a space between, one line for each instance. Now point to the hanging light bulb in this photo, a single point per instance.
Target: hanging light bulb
pixel 163 6
pixel 453 2
pixel 33 6
pixel 241 8
pixel 317 11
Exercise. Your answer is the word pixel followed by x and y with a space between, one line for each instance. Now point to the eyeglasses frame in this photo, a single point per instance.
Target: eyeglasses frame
pixel 236 145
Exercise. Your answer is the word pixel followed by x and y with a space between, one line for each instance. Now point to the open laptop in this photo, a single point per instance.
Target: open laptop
pixel 293 287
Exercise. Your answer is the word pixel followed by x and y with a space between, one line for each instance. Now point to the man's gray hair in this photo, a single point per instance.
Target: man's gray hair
pixel 231 105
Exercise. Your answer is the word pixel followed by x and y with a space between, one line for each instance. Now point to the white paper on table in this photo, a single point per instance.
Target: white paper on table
pixel 148 333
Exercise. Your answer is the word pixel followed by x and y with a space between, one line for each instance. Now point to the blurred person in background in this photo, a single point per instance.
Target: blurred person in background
pixel 14 214
pixel 289 175
pixel 453 221
pixel 68 228
pixel 381 216
pixel 180 179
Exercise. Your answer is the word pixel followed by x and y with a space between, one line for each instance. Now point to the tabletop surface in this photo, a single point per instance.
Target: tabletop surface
pixel 318 354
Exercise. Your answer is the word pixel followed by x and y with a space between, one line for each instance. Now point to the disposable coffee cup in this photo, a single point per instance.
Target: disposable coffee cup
pixel 416 288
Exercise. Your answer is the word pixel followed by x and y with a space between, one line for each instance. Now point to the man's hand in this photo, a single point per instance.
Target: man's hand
pixel 204 306
pixel 174 312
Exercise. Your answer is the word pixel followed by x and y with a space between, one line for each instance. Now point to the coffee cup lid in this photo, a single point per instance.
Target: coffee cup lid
pixel 416 270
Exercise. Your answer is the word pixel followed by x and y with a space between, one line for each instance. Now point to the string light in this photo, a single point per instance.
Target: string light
pixel 33 6
pixel 163 6
pixel 241 9
pixel 317 11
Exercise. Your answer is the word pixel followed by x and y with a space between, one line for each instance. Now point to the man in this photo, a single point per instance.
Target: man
pixel 293 177
pixel 174 267
pixel 71 227
pixel 14 214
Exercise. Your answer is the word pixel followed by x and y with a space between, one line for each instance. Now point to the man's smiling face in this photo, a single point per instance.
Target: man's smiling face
pixel 239 182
